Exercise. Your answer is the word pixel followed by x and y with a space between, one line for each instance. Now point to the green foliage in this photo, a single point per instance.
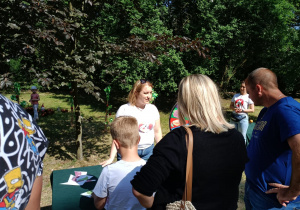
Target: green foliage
pixel 101 43
pixel 17 90
pixel 288 66
pixel 15 65
pixel 168 75
pixel 154 95
pixel 23 104
pixel 244 35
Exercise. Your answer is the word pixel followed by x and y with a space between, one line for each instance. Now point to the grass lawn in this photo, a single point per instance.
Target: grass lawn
pixel 59 129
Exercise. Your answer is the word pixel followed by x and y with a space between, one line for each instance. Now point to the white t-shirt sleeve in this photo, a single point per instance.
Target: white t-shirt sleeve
pixel 100 189
pixel 250 101
pixel 156 113
pixel 120 111
pixel 124 110
pixel 233 99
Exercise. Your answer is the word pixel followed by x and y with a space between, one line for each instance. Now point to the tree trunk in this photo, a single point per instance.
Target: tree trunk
pixel 78 125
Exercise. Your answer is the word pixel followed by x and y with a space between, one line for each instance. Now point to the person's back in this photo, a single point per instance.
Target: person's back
pixel 34 98
pixel 218 163
pixel 219 154
pixel 218 167
pixel 116 185
pixel 113 189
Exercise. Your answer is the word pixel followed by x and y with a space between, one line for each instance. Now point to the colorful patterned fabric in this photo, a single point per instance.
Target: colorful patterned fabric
pixel 22 148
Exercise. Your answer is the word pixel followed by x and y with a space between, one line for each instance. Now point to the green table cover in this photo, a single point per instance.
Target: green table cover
pixel 249 132
pixel 67 197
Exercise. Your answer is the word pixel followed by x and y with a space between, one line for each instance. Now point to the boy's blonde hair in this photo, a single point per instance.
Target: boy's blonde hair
pixel 136 89
pixel 199 101
pixel 125 129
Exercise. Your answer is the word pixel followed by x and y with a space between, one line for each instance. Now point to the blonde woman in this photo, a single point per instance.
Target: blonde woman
pixel 148 118
pixel 219 154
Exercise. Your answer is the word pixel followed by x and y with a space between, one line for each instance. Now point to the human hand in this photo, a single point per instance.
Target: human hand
pixel 107 162
pixel 283 193
pixel 238 110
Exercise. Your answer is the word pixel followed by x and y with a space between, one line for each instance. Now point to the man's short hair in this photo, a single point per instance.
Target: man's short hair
pixel 263 76
pixel 125 129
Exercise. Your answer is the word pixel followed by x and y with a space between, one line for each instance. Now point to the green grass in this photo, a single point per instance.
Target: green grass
pixel 59 129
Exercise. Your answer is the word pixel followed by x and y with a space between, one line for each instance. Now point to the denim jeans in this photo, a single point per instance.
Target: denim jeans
pixel 256 200
pixel 35 112
pixel 242 126
pixel 143 153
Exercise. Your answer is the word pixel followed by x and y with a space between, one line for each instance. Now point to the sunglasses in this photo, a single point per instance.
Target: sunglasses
pixel 143 81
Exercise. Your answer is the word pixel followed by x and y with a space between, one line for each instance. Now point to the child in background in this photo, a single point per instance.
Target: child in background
pixel 34 99
pixel 113 189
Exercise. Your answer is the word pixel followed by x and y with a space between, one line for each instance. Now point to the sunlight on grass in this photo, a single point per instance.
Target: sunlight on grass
pixel 164 121
pixel 60 131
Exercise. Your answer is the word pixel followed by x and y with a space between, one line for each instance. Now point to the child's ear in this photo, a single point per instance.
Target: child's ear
pixel 117 143
pixel 139 140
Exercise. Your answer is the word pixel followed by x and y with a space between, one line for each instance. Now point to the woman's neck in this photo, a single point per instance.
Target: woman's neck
pixel 140 106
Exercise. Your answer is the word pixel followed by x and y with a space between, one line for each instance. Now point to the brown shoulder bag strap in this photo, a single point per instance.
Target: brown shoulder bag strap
pixel 187 195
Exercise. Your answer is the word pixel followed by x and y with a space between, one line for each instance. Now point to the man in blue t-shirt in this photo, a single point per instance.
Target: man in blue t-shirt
pixel 273 172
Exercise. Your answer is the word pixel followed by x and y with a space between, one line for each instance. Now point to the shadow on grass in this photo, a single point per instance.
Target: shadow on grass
pixel 89 100
pixel 60 131
pixel 163 103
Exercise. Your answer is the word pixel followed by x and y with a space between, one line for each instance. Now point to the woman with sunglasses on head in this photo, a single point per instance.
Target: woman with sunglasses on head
pixel 148 118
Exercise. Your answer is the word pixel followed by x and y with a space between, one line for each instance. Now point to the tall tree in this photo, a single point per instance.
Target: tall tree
pixel 61 52
pixel 62 44
pixel 241 34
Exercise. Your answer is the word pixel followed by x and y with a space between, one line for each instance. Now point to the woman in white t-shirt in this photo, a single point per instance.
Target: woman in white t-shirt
pixel 241 105
pixel 148 118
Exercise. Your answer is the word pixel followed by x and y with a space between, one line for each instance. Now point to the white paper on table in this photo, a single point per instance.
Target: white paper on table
pixel 85 178
pixel 79 173
pixel 70 181
pixel 87 194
